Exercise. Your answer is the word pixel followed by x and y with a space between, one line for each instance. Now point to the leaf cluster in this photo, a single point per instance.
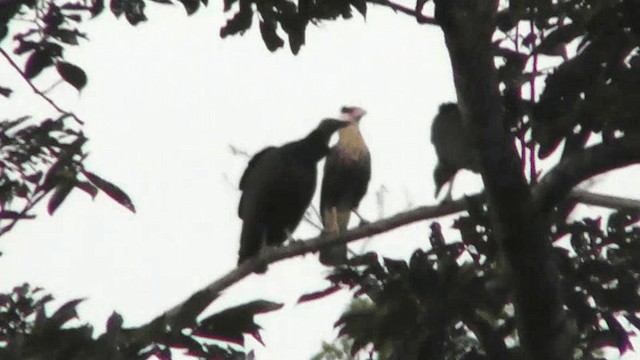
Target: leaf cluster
pixel 594 91
pixel 28 331
pixel 452 300
pixel 42 158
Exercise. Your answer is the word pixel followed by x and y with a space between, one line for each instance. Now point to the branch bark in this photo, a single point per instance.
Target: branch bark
pixel 578 167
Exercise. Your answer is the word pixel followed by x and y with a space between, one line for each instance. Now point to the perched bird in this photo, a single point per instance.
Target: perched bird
pixel 277 187
pixel 347 171
pixel 454 147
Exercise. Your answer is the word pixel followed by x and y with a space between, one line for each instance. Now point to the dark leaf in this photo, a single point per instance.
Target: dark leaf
pixel 230 324
pixel 163 1
pixel 88 188
pixel 110 189
pixel 190 5
pixel 239 23
pixel 4 91
pixel 361 6
pixel 61 193
pixel 318 294
pixel 269 36
pixel 65 313
pixel 114 323
pixel 72 74
pixel 66 36
pixel 36 63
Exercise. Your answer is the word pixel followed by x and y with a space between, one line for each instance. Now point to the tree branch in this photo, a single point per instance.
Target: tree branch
pixel 574 169
pixel 37 91
pixel 422 19
pixel 186 312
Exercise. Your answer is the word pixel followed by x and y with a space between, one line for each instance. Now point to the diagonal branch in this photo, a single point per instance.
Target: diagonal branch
pixel 37 91
pixel 574 169
pixel 187 311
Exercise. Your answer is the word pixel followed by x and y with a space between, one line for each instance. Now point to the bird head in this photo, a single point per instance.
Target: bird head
pixel 327 127
pixel 352 113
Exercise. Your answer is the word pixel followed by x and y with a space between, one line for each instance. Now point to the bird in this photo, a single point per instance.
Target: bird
pixel 347 171
pixel 277 187
pixel 454 147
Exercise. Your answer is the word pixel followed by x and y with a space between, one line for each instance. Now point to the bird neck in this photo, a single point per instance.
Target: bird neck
pixel 312 148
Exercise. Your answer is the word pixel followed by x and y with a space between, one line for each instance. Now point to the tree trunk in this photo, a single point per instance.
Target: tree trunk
pixel 468 26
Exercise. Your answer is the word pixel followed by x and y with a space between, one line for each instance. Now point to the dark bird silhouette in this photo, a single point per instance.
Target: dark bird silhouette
pixel 454 147
pixel 347 171
pixel 277 187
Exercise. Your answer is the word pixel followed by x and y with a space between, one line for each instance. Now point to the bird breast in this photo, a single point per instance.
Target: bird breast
pixel 351 145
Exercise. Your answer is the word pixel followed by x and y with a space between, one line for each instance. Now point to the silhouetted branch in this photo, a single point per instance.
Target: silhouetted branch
pixel 37 91
pixel 405 10
pixel 187 311
pixel 176 316
pixel 578 167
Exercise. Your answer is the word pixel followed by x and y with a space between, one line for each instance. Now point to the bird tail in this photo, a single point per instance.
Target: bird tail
pixel 251 240
pixel 335 222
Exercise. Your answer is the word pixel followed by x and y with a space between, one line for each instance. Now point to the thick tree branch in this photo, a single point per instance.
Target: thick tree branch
pixel 576 168
pixel 37 91
pixel 543 330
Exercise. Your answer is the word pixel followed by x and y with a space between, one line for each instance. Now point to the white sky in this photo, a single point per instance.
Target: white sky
pixel 163 103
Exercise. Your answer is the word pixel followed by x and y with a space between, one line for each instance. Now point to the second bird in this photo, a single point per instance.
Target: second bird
pixel 347 171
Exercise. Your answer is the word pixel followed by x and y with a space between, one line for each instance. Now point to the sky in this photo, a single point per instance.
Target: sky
pixel 164 103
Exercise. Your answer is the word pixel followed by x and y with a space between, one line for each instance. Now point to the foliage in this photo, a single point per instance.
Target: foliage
pixel 452 301
pixel 27 331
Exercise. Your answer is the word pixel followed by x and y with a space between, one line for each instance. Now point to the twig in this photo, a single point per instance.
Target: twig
pixel 37 91
pixel 405 10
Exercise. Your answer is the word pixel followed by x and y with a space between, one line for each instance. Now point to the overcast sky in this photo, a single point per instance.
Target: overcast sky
pixel 164 102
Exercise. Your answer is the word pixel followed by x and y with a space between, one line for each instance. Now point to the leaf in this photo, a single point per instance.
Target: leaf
pixel 111 190
pixel 114 323
pixel 230 324
pixel 361 6
pixel 4 91
pixel 72 74
pixel 88 188
pixel 65 313
pixel 66 36
pixel 59 195
pixel 239 23
pixel 190 5
pixel 36 63
pixel 269 36
pixel 318 294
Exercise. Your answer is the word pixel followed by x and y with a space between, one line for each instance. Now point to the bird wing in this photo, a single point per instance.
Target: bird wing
pixel 248 171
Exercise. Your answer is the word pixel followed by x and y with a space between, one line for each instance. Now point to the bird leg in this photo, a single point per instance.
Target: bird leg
pixel 331 221
pixel 449 196
pixel 363 221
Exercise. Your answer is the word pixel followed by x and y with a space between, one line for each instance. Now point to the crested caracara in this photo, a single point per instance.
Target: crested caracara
pixel 277 187
pixel 347 171
pixel 454 147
